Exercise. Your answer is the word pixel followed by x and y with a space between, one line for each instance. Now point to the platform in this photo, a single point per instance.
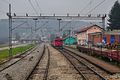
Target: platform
pixel 102 64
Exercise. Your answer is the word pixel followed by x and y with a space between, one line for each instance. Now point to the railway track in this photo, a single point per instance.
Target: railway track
pixel 40 70
pixel 16 59
pixel 21 69
pixel 87 70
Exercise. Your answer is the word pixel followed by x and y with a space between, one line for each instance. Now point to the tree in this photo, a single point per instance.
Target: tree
pixel 114 16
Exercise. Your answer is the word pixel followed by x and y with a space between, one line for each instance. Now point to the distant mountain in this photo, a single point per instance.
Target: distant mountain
pixel 4 31
pixel 44 27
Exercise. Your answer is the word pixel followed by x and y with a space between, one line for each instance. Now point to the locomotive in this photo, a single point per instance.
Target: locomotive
pixel 57 42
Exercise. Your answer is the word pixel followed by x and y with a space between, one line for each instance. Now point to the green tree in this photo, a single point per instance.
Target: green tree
pixel 114 16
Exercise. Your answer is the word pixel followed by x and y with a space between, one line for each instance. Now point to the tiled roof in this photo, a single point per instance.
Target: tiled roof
pixel 86 28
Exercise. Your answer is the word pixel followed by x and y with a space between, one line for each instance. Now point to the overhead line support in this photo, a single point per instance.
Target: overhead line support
pixel 10 31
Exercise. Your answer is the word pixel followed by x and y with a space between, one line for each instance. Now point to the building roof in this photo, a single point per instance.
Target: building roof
pixel 114 32
pixel 68 37
pixel 86 28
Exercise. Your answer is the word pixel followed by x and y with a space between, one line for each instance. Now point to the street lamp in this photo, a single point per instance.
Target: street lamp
pixel 59 25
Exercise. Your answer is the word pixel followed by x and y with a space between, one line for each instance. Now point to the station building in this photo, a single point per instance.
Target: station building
pixel 84 35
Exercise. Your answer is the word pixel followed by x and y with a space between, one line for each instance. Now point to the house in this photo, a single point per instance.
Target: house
pixel 95 38
pixel 82 35
pixel 106 38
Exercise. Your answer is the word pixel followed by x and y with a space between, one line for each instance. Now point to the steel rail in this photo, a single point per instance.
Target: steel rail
pixel 21 57
pixel 37 64
pixel 27 77
pixel 47 67
pixel 84 77
pixel 86 65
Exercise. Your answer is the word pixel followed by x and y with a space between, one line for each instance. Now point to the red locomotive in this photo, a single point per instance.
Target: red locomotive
pixel 58 42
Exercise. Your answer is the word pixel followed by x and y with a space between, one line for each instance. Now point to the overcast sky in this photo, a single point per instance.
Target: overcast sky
pixel 60 7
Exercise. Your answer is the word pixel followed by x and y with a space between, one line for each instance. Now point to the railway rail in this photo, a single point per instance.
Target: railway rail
pixel 40 70
pixel 16 59
pixel 87 70
pixel 21 69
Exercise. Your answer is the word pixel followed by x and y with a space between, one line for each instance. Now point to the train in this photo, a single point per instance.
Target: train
pixel 57 42
pixel 110 54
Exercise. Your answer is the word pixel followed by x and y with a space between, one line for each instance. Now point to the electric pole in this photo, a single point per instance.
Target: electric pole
pixel 10 31
pixel 59 25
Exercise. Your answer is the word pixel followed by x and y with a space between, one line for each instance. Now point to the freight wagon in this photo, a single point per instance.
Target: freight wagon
pixel 110 54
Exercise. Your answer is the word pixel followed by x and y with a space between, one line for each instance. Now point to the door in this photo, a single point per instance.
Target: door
pixel 112 39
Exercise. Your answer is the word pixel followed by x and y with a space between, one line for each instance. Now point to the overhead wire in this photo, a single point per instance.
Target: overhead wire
pixel 96 6
pixel 33 6
pixel 30 27
pixel 19 25
pixel 42 25
pixel 66 24
pixel 38 5
pixel 84 8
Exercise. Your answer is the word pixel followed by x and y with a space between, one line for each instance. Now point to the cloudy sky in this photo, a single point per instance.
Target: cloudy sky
pixel 60 7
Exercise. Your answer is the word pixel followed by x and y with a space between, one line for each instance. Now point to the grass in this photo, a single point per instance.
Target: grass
pixel 4 54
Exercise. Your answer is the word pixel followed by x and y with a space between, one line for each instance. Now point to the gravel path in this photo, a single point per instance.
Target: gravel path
pixel 60 68
pixel 21 69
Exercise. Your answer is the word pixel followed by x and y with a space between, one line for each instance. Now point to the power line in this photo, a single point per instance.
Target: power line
pixel 33 7
pixel 19 25
pixel 42 25
pixel 38 5
pixel 85 7
pixel 66 24
pixel 96 6
pixel 5 1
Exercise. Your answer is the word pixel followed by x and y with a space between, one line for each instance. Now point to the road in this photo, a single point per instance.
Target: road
pixel 3 48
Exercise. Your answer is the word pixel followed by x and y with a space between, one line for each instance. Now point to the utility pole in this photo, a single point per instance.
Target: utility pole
pixel 35 26
pixel 59 25
pixel 35 23
pixel 103 21
pixel 10 31
pixel 31 34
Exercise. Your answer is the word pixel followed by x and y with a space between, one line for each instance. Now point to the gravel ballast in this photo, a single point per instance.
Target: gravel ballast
pixel 60 68
pixel 21 69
